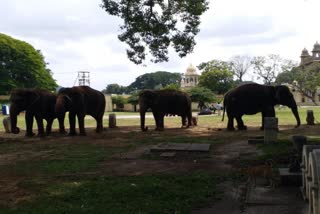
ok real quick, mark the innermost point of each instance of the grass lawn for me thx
(61, 174)
(284, 115)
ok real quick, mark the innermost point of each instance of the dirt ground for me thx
(223, 157)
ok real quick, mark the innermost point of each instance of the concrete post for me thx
(270, 129)
(310, 117)
(7, 124)
(112, 121)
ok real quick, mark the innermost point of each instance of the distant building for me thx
(306, 58)
(190, 78)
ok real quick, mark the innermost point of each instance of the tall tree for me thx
(267, 68)
(216, 75)
(22, 66)
(156, 80)
(152, 26)
(288, 72)
(307, 80)
(304, 78)
(240, 65)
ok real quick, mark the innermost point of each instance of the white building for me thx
(190, 78)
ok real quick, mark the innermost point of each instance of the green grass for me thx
(284, 115)
(135, 194)
(55, 158)
(52, 171)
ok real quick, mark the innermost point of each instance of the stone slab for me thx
(205, 147)
(181, 147)
(279, 200)
(255, 141)
(290, 178)
(272, 196)
(168, 154)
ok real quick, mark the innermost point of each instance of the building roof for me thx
(305, 52)
(191, 71)
(316, 47)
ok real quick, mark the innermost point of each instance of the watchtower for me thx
(84, 78)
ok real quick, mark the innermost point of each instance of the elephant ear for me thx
(282, 94)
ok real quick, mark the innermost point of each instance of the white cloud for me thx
(78, 35)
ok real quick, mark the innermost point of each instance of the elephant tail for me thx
(224, 110)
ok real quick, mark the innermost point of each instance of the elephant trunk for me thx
(13, 119)
(142, 119)
(296, 114)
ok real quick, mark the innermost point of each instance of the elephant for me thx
(162, 103)
(253, 98)
(38, 103)
(81, 101)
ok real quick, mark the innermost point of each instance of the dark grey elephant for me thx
(162, 103)
(81, 101)
(38, 103)
(253, 98)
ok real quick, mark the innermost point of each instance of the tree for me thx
(173, 86)
(304, 78)
(267, 68)
(155, 80)
(240, 65)
(119, 101)
(114, 89)
(216, 76)
(21, 66)
(307, 80)
(152, 26)
(134, 99)
(201, 95)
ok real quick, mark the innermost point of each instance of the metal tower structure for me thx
(84, 78)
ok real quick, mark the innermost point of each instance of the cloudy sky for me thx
(77, 35)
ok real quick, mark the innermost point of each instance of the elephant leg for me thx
(62, 129)
(40, 126)
(99, 125)
(49, 126)
(183, 121)
(156, 119)
(81, 124)
(99, 120)
(29, 124)
(72, 122)
(262, 120)
(230, 126)
(240, 123)
(189, 120)
(159, 121)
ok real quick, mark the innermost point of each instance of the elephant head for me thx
(283, 96)
(20, 100)
(147, 99)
